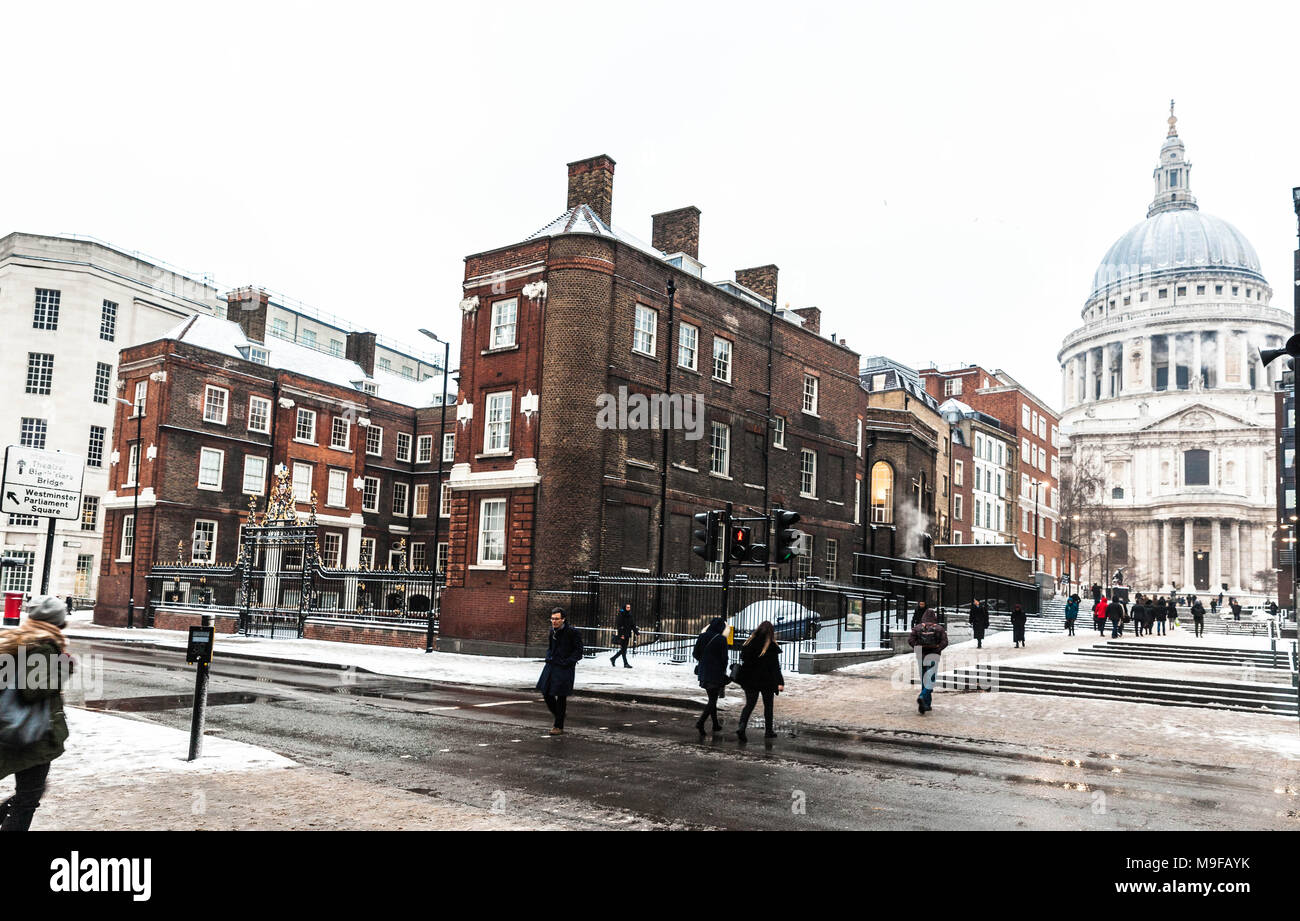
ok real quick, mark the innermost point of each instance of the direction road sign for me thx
(42, 483)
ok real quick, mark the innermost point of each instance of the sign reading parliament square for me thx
(42, 483)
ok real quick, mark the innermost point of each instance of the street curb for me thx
(623, 696)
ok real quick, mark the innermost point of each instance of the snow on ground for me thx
(103, 749)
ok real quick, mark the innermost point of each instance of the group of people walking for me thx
(1149, 614)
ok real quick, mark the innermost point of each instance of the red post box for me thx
(13, 608)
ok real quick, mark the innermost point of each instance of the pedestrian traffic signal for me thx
(706, 536)
(739, 547)
(788, 540)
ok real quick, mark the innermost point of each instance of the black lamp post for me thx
(437, 519)
(1292, 348)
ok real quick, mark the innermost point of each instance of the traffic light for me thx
(739, 544)
(788, 541)
(706, 536)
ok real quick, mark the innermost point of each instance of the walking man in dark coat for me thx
(1198, 616)
(1139, 615)
(562, 657)
(979, 622)
(1018, 619)
(624, 629)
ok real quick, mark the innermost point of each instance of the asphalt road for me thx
(619, 762)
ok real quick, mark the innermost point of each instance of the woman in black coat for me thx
(979, 622)
(1018, 618)
(760, 673)
(562, 657)
(711, 653)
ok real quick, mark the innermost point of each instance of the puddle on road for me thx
(175, 702)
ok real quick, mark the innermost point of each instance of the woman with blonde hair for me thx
(760, 673)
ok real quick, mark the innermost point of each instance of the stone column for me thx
(1105, 372)
(1196, 360)
(1089, 371)
(1216, 555)
(1222, 347)
(1150, 367)
(1245, 361)
(1236, 556)
(1166, 540)
(1189, 570)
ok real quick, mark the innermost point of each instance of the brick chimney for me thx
(361, 349)
(761, 280)
(677, 231)
(812, 318)
(247, 307)
(591, 183)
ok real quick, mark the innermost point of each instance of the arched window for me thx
(882, 493)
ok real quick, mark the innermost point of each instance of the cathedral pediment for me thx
(1198, 418)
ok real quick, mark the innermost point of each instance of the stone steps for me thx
(1201, 655)
(1248, 698)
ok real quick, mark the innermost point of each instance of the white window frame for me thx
(366, 558)
(498, 428)
(449, 447)
(402, 509)
(693, 349)
(645, 330)
(807, 474)
(958, 472)
(418, 499)
(133, 465)
(404, 440)
(810, 394)
(424, 449)
(338, 479)
(498, 338)
(722, 349)
(720, 449)
(444, 501)
(956, 507)
(440, 557)
(367, 492)
(265, 405)
(309, 415)
(208, 391)
(347, 433)
(485, 511)
(126, 544)
(221, 468)
(261, 479)
(140, 406)
(332, 558)
(310, 472)
(194, 545)
(376, 434)
(778, 432)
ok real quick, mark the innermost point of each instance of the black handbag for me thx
(22, 723)
(733, 673)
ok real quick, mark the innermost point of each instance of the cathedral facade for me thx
(1167, 405)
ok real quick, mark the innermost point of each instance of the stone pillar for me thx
(1089, 371)
(1166, 540)
(1236, 556)
(1196, 360)
(1150, 366)
(1189, 570)
(1245, 361)
(1107, 367)
(1216, 555)
(1222, 348)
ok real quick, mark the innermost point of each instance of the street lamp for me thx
(135, 506)
(437, 519)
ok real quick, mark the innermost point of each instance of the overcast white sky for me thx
(940, 178)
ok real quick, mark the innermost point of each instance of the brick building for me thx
(220, 407)
(1035, 428)
(577, 319)
(984, 474)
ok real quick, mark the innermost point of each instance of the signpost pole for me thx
(49, 558)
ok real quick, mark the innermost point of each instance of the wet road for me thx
(619, 763)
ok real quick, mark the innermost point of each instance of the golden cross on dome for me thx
(1173, 120)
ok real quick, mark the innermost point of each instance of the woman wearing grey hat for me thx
(41, 639)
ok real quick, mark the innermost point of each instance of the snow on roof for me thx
(227, 338)
(583, 220)
(952, 404)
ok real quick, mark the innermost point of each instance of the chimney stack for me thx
(247, 307)
(591, 183)
(761, 280)
(677, 231)
(361, 349)
(812, 319)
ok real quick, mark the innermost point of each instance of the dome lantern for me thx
(1173, 174)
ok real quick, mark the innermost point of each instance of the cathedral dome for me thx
(1175, 242)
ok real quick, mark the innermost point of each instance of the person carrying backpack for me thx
(929, 639)
(1071, 612)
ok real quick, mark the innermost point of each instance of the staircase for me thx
(1197, 655)
(1242, 697)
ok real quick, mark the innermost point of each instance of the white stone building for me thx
(1166, 397)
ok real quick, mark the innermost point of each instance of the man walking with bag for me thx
(929, 639)
(562, 656)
